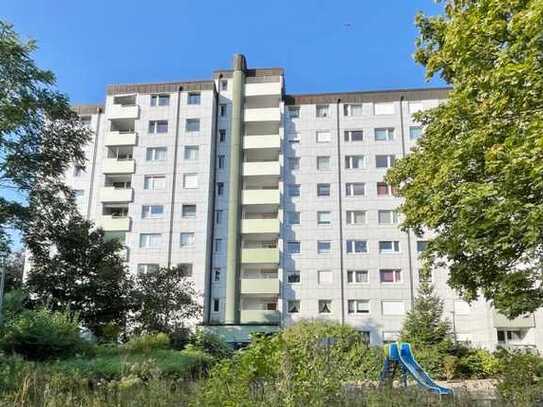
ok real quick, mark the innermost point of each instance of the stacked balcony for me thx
(124, 107)
(115, 218)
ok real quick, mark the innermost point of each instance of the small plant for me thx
(519, 383)
(147, 343)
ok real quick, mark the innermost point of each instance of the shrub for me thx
(208, 342)
(147, 343)
(477, 364)
(43, 334)
(180, 338)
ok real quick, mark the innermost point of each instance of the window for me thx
(323, 163)
(509, 336)
(216, 305)
(218, 216)
(356, 217)
(220, 188)
(324, 246)
(216, 275)
(224, 84)
(186, 239)
(323, 189)
(222, 110)
(160, 100)
(354, 135)
(188, 211)
(293, 276)
(293, 306)
(192, 153)
(152, 211)
(150, 240)
(156, 154)
(154, 182)
(358, 306)
(294, 137)
(222, 135)
(79, 170)
(384, 134)
(192, 125)
(193, 98)
(355, 162)
(293, 218)
(147, 267)
(325, 276)
(415, 132)
(190, 181)
(390, 275)
(357, 246)
(325, 306)
(218, 246)
(158, 126)
(357, 276)
(294, 112)
(383, 189)
(421, 245)
(324, 217)
(389, 246)
(293, 190)
(393, 307)
(293, 247)
(323, 137)
(294, 163)
(322, 110)
(355, 189)
(384, 108)
(384, 161)
(387, 217)
(185, 268)
(220, 162)
(352, 110)
(461, 307)
(415, 107)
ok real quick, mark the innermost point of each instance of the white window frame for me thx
(323, 136)
(184, 242)
(359, 159)
(191, 153)
(394, 247)
(352, 277)
(191, 181)
(389, 132)
(350, 246)
(348, 136)
(147, 211)
(358, 307)
(395, 273)
(350, 188)
(156, 154)
(150, 240)
(351, 216)
(154, 182)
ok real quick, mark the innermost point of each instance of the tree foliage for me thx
(476, 176)
(14, 271)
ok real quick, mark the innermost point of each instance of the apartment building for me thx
(274, 204)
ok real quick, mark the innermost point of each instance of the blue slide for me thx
(404, 357)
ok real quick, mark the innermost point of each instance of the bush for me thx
(477, 364)
(147, 343)
(43, 334)
(212, 344)
(518, 382)
(180, 338)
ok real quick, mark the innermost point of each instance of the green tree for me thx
(75, 268)
(476, 176)
(14, 271)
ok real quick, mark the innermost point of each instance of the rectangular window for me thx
(190, 181)
(324, 217)
(154, 182)
(152, 211)
(191, 153)
(216, 305)
(193, 98)
(387, 217)
(415, 132)
(356, 217)
(390, 275)
(352, 110)
(353, 136)
(358, 306)
(156, 154)
(220, 161)
(293, 247)
(421, 245)
(189, 211)
(393, 307)
(357, 246)
(294, 112)
(222, 135)
(224, 84)
(325, 306)
(323, 163)
(218, 216)
(294, 163)
(384, 161)
(185, 269)
(147, 267)
(293, 137)
(355, 162)
(293, 190)
(325, 276)
(160, 100)
(293, 306)
(220, 188)
(323, 137)
(389, 246)
(384, 108)
(150, 240)
(293, 276)
(218, 246)
(384, 134)
(158, 126)
(192, 125)
(222, 110)
(323, 189)
(186, 239)
(357, 276)
(79, 170)
(383, 189)
(324, 246)
(216, 275)
(293, 218)
(322, 111)
(355, 189)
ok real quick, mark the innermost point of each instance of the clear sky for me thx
(324, 45)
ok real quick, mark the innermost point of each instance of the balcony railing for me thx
(259, 168)
(254, 226)
(112, 194)
(115, 166)
(260, 285)
(260, 316)
(260, 256)
(121, 138)
(118, 111)
(112, 223)
(260, 197)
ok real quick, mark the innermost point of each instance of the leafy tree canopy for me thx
(476, 176)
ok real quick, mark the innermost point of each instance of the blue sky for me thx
(323, 45)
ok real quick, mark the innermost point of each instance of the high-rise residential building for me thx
(275, 204)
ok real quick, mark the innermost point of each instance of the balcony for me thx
(262, 89)
(120, 138)
(265, 141)
(260, 256)
(258, 168)
(114, 166)
(254, 226)
(259, 286)
(112, 194)
(501, 321)
(268, 114)
(118, 111)
(252, 316)
(112, 223)
(260, 197)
